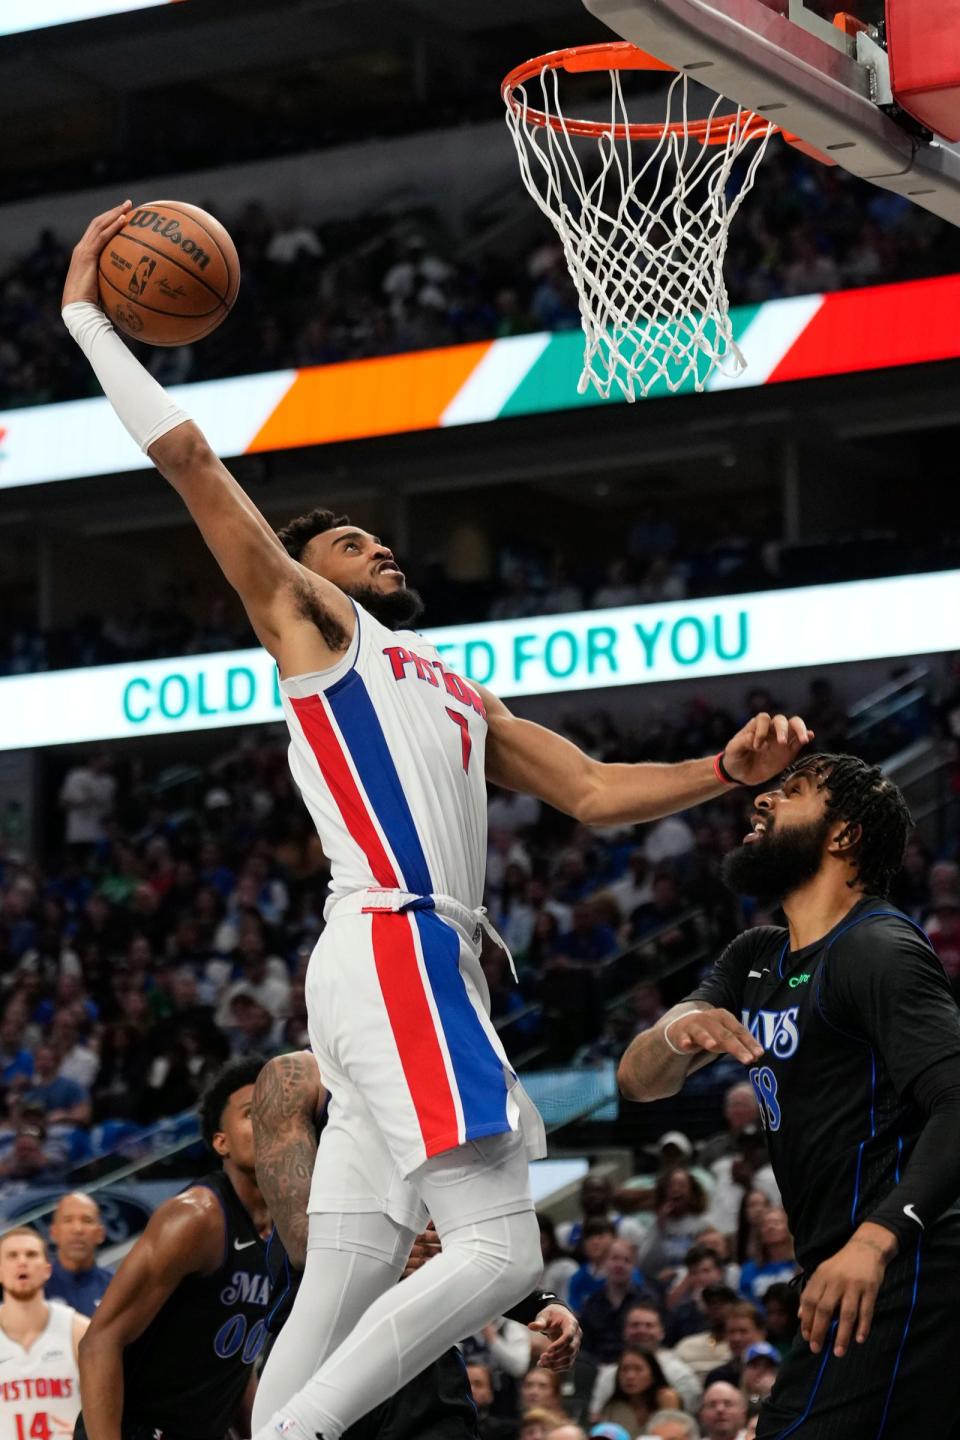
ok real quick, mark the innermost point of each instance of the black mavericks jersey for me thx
(847, 1025)
(187, 1372)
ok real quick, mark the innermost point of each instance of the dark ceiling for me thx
(186, 85)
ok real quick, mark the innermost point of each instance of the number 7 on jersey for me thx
(466, 743)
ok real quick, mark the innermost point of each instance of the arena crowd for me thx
(316, 294)
(172, 923)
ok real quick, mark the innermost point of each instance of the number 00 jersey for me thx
(40, 1387)
(847, 1025)
(387, 748)
(186, 1374)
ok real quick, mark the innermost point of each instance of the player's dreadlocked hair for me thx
(297, 534)
(862, 795)
(226, 1082)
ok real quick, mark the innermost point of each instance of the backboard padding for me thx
(757, 57)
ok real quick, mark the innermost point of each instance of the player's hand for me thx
(562, 1328)
(766, 745)
(426, 1245)
(81, 281)
(847, 1283)
(716, 1031)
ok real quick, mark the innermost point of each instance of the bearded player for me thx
(854, 1041)
(392, 752)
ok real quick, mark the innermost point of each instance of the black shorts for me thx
(137, 1430)
(903, 1383)
(434, 1405)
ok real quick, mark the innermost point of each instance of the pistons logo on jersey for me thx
(404, 663)
(33, 1419)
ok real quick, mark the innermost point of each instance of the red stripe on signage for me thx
(414, 1031)
(328, 752)
(875, 328)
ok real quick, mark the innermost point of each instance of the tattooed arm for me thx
(287, 1100)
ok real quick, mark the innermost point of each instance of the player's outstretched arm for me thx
(529, 758)
(287, 1099)
(268, 581)
(183, 1237)
(656, 1063)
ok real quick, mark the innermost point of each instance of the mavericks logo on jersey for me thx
(239, 1335)
(247, 1289)
(776, 1030)
(778, 1034)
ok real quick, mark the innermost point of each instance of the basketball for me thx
(171, 275)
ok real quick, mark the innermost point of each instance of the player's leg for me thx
(351, 1260)
(479, 1198)
(403, 1026)
(363, 1220)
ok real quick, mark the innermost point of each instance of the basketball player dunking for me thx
(289, 1110)
(39, 1378)
(392, 752)
(170, 1352)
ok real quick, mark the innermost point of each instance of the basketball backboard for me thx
(827, 84)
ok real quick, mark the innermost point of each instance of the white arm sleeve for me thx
(143, 406)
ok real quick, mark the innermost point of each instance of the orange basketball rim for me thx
(620, 55)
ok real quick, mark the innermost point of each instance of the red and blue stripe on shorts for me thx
(455, 1078)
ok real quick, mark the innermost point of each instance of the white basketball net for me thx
(644, 243)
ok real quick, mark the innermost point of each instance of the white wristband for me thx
(665, 1032)
(143, 406)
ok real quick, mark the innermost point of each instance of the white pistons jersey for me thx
(40, 1387)
(387, 748)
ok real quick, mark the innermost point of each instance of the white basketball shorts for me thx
(399, 1022)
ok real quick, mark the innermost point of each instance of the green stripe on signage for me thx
(551, 382)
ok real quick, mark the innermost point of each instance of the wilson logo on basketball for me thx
(170, 230)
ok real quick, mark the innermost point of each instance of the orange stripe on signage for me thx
(368, 397)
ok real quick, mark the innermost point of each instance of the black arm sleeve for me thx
(529, 1309)
(931, 1181)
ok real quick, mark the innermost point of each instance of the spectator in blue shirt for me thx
(77, 1231)
(65, 1101)
(603, 1314)
(589, 940)
(16, 1062)
(777, 1265)
(597, 1235)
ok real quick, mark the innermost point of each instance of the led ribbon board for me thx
(592, 649)
(19, 15)
(795, 339)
